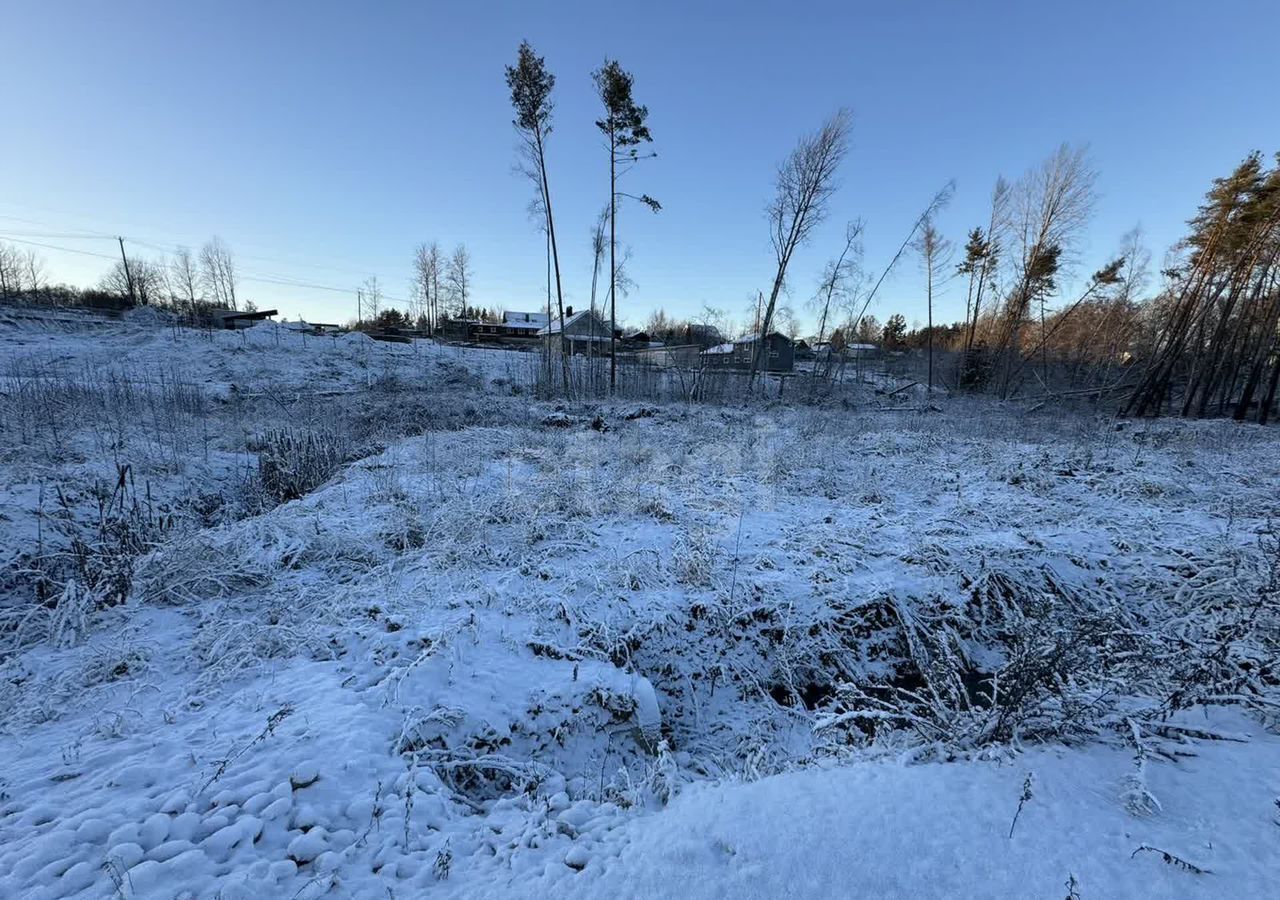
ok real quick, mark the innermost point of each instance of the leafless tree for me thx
(837, 277)
(599, 243)
(786, 321)
(982, 258)
(1095, 336)
(218, 272)
(805, 183)
(1050, 206)
(427, 265)
(33, 270)
(457, 277)
(184, 279)
(371, 292)
(10, 271)
(935, 258)
(148, 280)
(940, 200)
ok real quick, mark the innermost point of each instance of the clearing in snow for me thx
(318, 617)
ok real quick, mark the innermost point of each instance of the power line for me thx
(87, 234)
(249, 277)
(73, 235)
(55, 247)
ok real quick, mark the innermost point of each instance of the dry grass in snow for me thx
(463, 643)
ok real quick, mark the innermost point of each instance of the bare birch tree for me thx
(599, 243)
(836, 277)
(33, 271)
(1050, 206)
(218, 272)
(426, 268)
(935, 258)
(184, 279)
(457, 277)
(10, 269)
(371, 291)
(805, 183)
(836, 287)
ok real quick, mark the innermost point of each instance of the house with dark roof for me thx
(524, 320)
(584, 332)
(516, 328)
(778, 349)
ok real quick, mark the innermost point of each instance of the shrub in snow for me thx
(293, 462)
(87, 561)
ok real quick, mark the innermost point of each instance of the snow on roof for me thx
(511, 317)
(720, 348)
(558, 325)
(752, 338)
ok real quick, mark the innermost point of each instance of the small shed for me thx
(232, 319)
(669, 355)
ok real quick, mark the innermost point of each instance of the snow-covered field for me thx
(343, 619)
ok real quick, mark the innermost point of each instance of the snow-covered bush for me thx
(293, 462)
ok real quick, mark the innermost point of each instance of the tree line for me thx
(187, 282)
(1205, 341)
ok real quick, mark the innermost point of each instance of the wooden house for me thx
(585, 333)
(779, 353)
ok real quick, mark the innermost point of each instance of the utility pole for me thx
(128, 277)
(359, 311)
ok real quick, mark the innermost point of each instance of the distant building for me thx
(584, 332)
(516, 328)
(848, 351)
(459, 329)
(233, 319)
(680, 356)
(535, 320)
(779, 353)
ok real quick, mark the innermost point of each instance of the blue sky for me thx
(323, 141)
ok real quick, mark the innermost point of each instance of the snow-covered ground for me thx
(498, 647)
